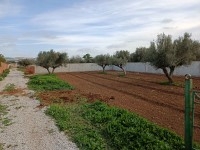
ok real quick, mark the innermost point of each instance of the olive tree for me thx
(120, 59)
(162, 49)
(88, 58)
(185, 51)
(103, 60)
(76, 59)
(26, 62)
(167, 54)
(139, 55)
(51, 59)
(2, 58)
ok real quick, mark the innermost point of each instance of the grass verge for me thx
(83, 133)
(48, 83)
(4, 74)
(99, 126)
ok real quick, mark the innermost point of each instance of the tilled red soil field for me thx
(140, 93)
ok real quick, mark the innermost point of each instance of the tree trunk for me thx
(124, 71)
(172, 68)
(48, 70)
(103, 68)
(53, 70)
(167, 75)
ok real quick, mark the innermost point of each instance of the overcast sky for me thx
(91, 26)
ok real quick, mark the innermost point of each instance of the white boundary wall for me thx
(193, 69)
(79, 67)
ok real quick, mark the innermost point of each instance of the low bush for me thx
(48, 83)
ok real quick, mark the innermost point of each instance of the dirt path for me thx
(30, 128)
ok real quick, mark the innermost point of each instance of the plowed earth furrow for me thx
(136, 94)
(152, 102)
(133, 82)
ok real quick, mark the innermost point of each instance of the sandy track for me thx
(30, 128)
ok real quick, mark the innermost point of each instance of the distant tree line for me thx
(163, 53)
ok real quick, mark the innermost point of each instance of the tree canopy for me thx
(167, 54)
(26, 62)
(120, 59)
(2, 58)
(139, 55)
(76, 59)
(51, 59)
(88, 58)
(103, 60)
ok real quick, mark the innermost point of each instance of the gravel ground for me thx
(30, 128)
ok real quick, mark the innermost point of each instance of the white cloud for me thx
(102, 16)
(95, 26)
(8, 8)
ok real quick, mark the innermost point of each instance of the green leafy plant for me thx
(68, 119)
(48, 83)
(99, 126)
(126, 130)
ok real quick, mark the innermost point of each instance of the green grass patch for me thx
(9, 87)
(4, 74)
(99, 126)
(69, 119)
(4, 120)
(2, 110)
(48, 83)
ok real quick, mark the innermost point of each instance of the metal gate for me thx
(192, 100)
